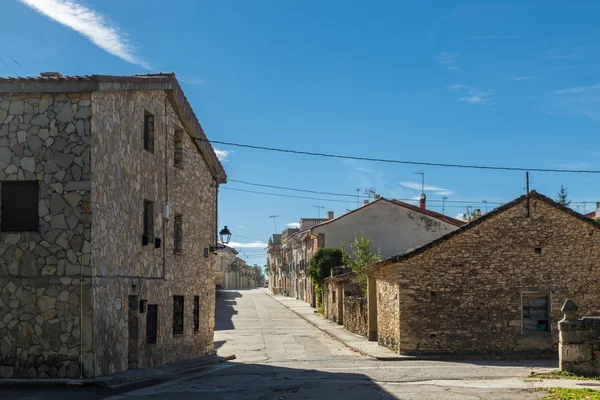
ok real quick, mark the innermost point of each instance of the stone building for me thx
(496, 284)
(226, 273)
(108, 215)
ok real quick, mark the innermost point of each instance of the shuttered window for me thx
(177, 315)
(149, 132)
(196, 313)
(151, 323)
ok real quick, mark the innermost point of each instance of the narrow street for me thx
(280, 356)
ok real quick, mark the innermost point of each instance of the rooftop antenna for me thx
(319, 209)
(357, 197)
(369, 192)
(274, 221)
(444, 204)
(422, 180)
(486, 203)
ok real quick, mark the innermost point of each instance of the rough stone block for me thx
(575, 352)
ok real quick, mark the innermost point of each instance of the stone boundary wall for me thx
(356, 315)
(579, 345)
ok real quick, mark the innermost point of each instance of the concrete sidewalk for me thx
(121, 378)
(355, 342)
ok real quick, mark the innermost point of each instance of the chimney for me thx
(422, 201)
(50, 75)
(598, 209)
(377, 196)
(329, 214)
(365, 202)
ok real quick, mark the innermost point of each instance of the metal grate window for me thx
(20, 206)
(196, 313)
(178, 153)
(149, 132)
(177, 315)
(151, 323)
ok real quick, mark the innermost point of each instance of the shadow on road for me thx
(224, 310)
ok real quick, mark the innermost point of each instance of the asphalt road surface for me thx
(280, 356)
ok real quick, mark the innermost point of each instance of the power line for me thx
(384, 160)
(294, 189)
(15, 61)
(8, 66)
(245, 237)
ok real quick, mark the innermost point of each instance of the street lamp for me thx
(225, 236)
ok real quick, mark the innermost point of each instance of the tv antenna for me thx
(274, 221)
(318, 209)
(422, 173)
(370, 192)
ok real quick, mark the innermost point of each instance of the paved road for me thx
(282, 357)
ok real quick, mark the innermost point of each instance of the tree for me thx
(361, 257)
(319, 267)
(563, 196)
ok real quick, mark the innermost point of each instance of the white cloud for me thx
(578, 89)
(250, 245)
(241, 227)
(460, 217)
(90, 24)
(474, 95)
(293, 225)
(222, 155)
(430, 188)
(448, 60)
(190, 79)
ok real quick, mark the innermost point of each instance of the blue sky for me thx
(479, 82)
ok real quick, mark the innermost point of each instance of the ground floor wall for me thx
(122, 335)
(356, 315)
(43, 331)
(388, 318)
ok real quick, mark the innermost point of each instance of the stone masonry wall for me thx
(126, 175)
(356, 314)
(466, 293)
(388, 327)
(579, 346)
(46, 137)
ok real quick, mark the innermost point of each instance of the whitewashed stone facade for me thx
(70, 293)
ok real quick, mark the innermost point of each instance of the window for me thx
(535, 313)
(178, 234)
(177, 315)
(148, 235)
(151, 323)
(149, 132)
(20, 206)
(196, 313)
(333, 295)
(178, 148)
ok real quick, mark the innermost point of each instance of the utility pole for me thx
(357, 198)
(319, 209)
(274, 221)
(444, 205)
(485, 202)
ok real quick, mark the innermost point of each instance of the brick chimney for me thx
(377, 197)
(365, 202)
(422, 201)
(329, 214)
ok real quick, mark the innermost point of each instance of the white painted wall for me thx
(394, 229)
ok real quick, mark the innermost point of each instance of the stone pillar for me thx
(340, 303)
(574, 352)
(372, 307)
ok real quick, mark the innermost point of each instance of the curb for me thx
(433, 357)
(115, 381)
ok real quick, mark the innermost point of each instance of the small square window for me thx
(149, 132)
(177, 315)
(20, 206)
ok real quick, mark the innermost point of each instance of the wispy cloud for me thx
(293, 225)
(495, 37)
(241, 227)
(361, 169)
(191, 80)
(578, 89)
(250, 245)
(90, 24)
(222, 155)
(474, 95)
(431, 188)
(448, 60)
(522, 78)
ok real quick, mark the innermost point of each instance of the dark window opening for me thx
(149, 132)
(178, 154)
(333, 296)
(535, 313)
(538, 250)
(20, 206)
(151, 323)
(177, 315)
(148, 235)
(196, 313)
(178, 234)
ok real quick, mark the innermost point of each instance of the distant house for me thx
(393, 226)
(494, 285)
